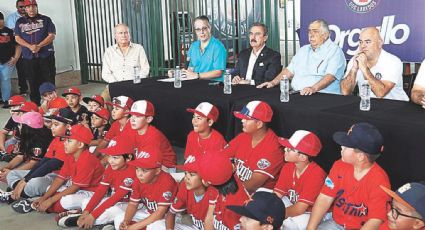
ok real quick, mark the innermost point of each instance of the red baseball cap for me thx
(147, 159)
(122, 102)
(258, 110)
(30, 2)
(95, 98)
(72, 90)
(102, 113)
(79, 132)
(304, 141)
(58, 103)
(27, 106)
(142, 108)
(119, 145)
(16, 100)
(207, 110)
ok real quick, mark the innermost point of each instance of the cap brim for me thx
(101, 116)
(117, 105)
(139, 164)
(114, 151)
(341, 138)
(64, 94)
(242, 116)
(285, 142)
(241, 210)
(88, 99)
(137, 114)
(61, 119)
(189, 167)
(10, 105)
(396, 197)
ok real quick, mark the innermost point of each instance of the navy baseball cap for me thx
(64, 115)
(411, 195)
(264, 207)
(46, 87)
(362, 136)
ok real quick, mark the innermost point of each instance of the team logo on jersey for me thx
(293, 196)
(329, 183)
(263, 164)
(142, 154)
(378, 76)
(190, 159)
(219, 224)
(243, 172)
(128, 181)
(167, 195)
(362, 6)
(36, 151)
(349, 208)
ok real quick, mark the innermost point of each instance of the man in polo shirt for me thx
(317, 67)
(207, 56)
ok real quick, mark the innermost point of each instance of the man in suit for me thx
(259, 63)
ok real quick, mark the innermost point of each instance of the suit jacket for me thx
(266, 68)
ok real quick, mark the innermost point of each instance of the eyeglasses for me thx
(21, 7)
(290, 149)
(203, 29)
(396, 213)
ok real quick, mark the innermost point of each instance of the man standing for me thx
(317, 67)
(10, 23)
(122, 59)
(259, 63)
(35, 33)
(382, 70)
(9, 54)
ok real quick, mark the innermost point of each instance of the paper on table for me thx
(171, 79)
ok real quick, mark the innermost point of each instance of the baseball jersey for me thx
(120, 182)
(57, 149)
(116, 130)
(185, 201)
(159, 193)
(224, 218)
(356, 201)
(85, 172)
(12, 126)
(7, 45)
(196, 146)
(155, 138)
(304, 189)
(265, 158)
(100, 134)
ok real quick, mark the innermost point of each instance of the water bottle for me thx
(177, 77)
(365, 96)
(136, 74)
(227, 82)
(284, 89)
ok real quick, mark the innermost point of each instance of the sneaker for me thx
(8, 157)
(22, 206)
(68, 218)
(5, 197)
(5, 105)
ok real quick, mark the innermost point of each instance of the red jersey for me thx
(120, 182)
(155, 138)
(86, 171)
(304, 189)
(225, 218)
(196, 146)
(116, 130)
(266, 157)
(161, 192)
(356, 201)
(185, 200)
(57, 149)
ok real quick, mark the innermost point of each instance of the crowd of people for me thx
(102, 164)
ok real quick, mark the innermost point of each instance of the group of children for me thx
(65, 158)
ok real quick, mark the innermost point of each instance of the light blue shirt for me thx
(310, 66)
(213, 58)
(11, 20)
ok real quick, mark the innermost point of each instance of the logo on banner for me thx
(362, 6)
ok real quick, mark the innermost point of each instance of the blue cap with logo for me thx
(411, 195)
(46, 87)
(362, 136)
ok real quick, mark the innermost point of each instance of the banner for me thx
(400, 23)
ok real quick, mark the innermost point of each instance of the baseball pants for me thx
(141, 214)
(109, 214)
(74, 201)
(34, 187)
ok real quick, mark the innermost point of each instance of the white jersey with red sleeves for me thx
(305, 188)
(116, 130)
(196, 146)
(356, 201)
(86, 171)
(266, 157)
(185, 201)
(152, 195)
(155, 138)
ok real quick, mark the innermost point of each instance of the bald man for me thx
(381, 69)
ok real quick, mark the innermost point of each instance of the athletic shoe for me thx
(5, 197)
(22, 206)
(68, 218)
(7, 157)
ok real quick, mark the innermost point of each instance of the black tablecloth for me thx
(401, 123)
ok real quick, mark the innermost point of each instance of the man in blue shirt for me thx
(207, 56)
(317, 67)
(35, 33)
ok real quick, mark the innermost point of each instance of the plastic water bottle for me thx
(177, 77)
(136, 73)
(365, 96)
(227, 82)
(284, 89)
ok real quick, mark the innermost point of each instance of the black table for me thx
(401, 123)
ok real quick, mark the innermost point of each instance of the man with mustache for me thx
(259, 63)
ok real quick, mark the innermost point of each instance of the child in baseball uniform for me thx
(257, 154)
(148, 136)
(103, 206)
(203, 137)
(72, 96)
(301, 179)
(94, 102)
(78, 177)
(99, 126)
(353, 183)
(154, 188)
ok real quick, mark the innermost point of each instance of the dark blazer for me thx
(266, 68)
